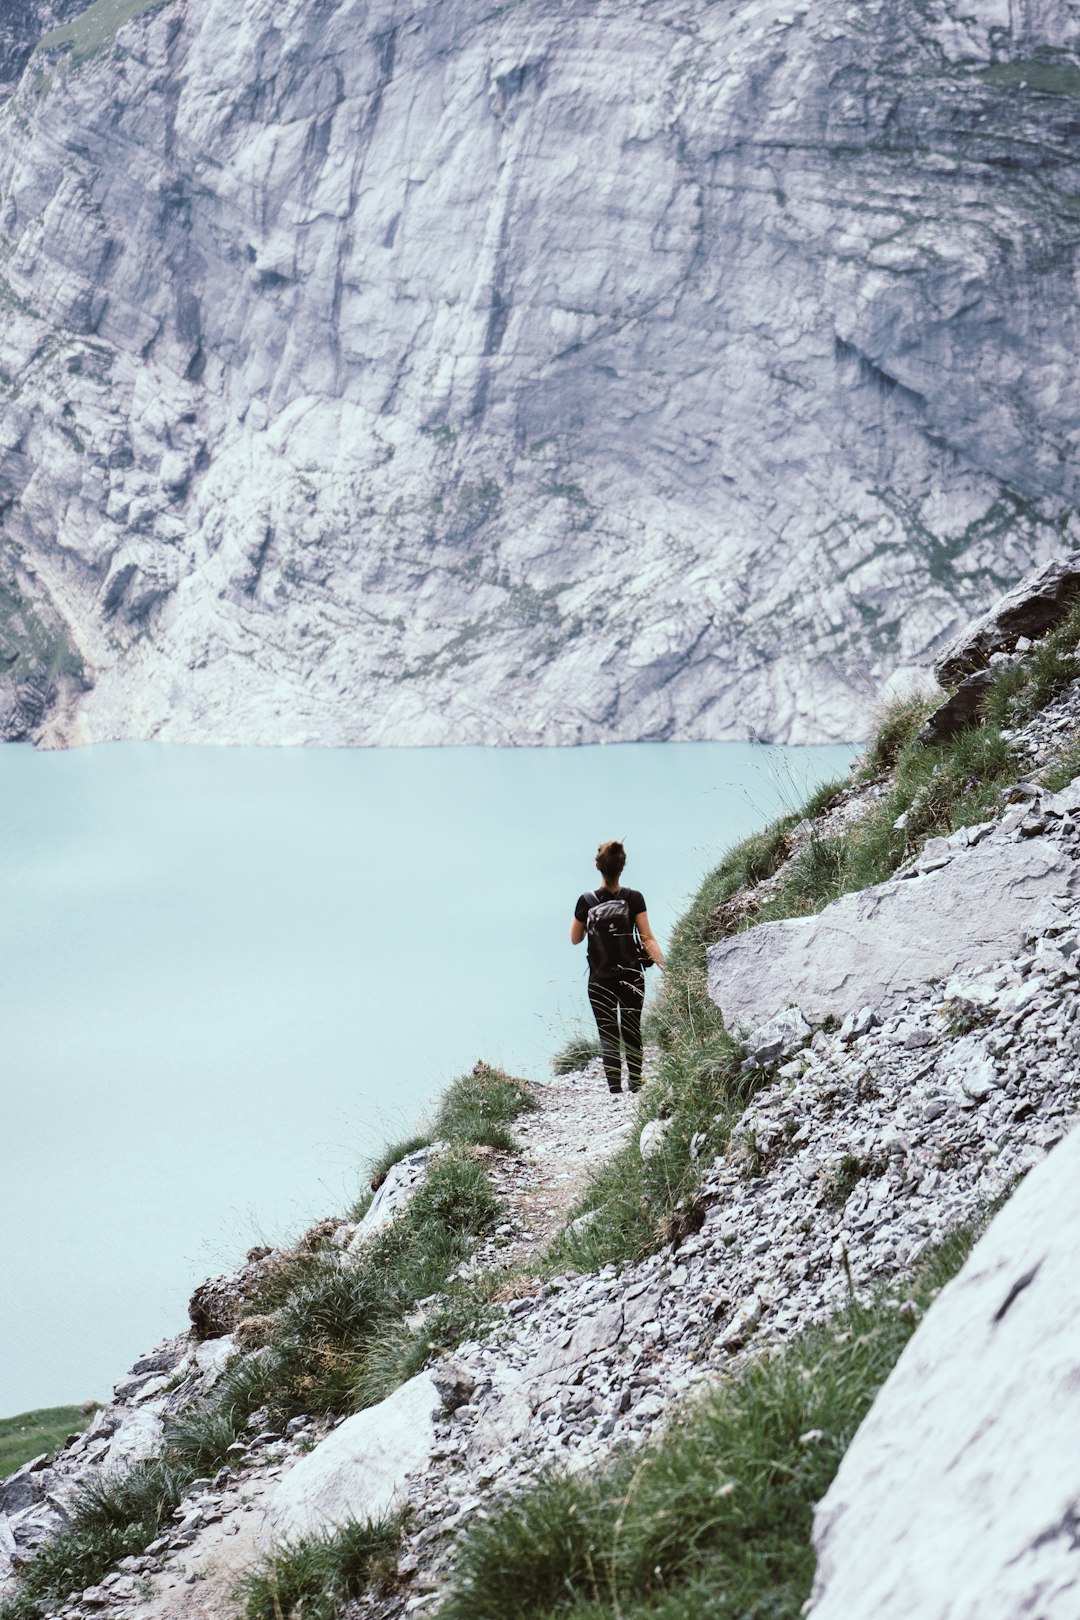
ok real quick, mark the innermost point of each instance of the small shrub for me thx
(316, 1576)
(579, 1051)
(894, 732)
(960, 1017)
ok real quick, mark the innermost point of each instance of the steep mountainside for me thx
(389, 372)
(591, 1355)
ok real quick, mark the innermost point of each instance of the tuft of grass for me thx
(329, 1346)
(32, 1434)
(108, 1520)
(895, 730)
(580, 1049)
(1021, 691)
(316, 1576)
(477, 1108)
(402, 1348)
(843, 1175)
(1062, 769)
(712, 1521)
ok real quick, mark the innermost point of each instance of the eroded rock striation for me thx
(553, 373)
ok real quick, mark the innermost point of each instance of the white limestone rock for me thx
(138, 1436)
(958, 1497)
(358, 1471)
(779, 1038)
(403, 1180)
(651, 1139)
(528, 374)
(886, 943)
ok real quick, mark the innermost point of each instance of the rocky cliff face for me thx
(551, 373)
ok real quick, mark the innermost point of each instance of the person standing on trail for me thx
(621, 944)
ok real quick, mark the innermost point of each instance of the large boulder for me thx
(959, 1497)
(359, 1470)
(880, 946)
(1041, 600)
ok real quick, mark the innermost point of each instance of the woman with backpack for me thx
(621, 945)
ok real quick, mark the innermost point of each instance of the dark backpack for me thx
(610, 929)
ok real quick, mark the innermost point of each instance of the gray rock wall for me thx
(546, 374)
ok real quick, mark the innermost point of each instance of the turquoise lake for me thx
(229, 975)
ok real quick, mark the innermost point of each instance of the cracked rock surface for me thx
(555, 373)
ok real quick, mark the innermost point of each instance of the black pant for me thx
(618, 1001)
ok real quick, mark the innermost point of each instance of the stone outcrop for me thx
(1032, 607)
(359, 1470)
(402, 1180)
(968, 899)
(217, 1304)
(959, 1497)
(548, 373)
(960, 709)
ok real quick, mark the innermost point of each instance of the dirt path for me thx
(577, 1125)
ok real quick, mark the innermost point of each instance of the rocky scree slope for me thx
(551, 374)
(865, 1140)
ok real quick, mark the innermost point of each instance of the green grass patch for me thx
(32, 1434)
(1063, 769)
(1021, 691)
(935, 790)
(315, 1577)
(896, 728)
(108, 1521)
(1049, 77)
(327, 1347)
(713, 1520)
(96, 27)
(579, 1050)
(477, 1109)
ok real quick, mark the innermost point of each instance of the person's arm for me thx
(577, 932)
(649, 942)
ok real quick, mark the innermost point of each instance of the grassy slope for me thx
(711, 1521)
(334, 1339)
(32, 1433)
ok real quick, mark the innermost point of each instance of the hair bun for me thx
(611, 858)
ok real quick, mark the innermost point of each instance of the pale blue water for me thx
(227, 975)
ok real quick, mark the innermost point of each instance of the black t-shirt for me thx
(634, 898)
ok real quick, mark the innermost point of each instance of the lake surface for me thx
(229, 975)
